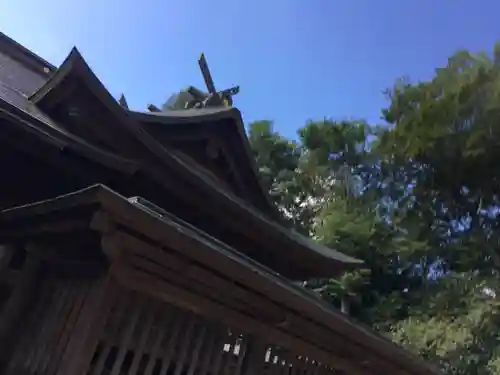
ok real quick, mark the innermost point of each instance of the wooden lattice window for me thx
(144, 336)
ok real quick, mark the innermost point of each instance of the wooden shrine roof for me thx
(347, 344)
(222, 125)
(117, 138)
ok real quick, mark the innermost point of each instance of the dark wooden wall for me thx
(43, 336)
(130, 294)
(49, 295)
(67, 330)
(146, 336)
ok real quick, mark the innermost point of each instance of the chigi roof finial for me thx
(214, 97)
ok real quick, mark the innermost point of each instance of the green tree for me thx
(443, 146)
(455, 324)
(448, 129)
(278, 161)
(417, 200)
(328, 184)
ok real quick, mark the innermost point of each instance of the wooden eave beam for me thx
(44, 229)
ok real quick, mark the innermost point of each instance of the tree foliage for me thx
(417, 199)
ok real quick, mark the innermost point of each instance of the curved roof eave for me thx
(75, 64)
(46, 129)
(214, 114)
(176, 117)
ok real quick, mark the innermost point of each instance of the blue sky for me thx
(294, 59)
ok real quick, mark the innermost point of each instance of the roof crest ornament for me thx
(193, 97)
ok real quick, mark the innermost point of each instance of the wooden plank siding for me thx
(117, 322)
(164, 274)
(44, 335)
(145, 336)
